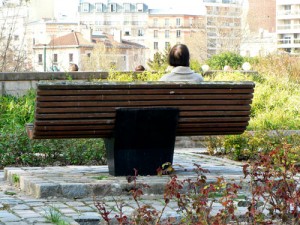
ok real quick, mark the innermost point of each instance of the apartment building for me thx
(167, 27)
(288, 26)
(224, 31)
(261, 16)
(107, 16)
(258, 28)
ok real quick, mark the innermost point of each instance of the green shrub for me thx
(130, 77)
(17, 149)
(217, 62)
(276, 102)
(249, 144)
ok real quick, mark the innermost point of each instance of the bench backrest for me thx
(88, 109)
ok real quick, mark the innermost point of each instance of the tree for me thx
(13, 42)
(102, 58)
(160, 61)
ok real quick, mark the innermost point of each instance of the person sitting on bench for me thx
(179, 58)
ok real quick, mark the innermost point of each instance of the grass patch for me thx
(101, 177)
(53, 215)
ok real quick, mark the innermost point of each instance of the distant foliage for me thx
(160, 61)
(217, 62)
(195, 65)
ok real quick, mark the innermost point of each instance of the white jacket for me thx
(182, 73)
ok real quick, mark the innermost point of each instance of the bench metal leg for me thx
(144, 139)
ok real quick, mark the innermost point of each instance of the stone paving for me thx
(28, 195)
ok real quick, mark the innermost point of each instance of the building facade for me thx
(105, 16)
(288, 26)
(224, 25)
(169, 27)
(258, 28)
(61, 51)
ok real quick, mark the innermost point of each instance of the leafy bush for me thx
(276, 102)
(249, 144)
(17, 149)
(217, 62)
(129, 77)
(278, 66)
(274, 196)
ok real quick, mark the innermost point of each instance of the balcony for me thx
(288, 43)
(288, 28)
(288, 14)
(288, 2)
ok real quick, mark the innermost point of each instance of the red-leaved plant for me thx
(274, 185)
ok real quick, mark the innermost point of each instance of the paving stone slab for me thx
(77, 182)
(71, 189)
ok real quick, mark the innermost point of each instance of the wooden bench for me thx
(98, 110)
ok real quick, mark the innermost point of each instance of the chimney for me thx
(87, 33)
(118, 36)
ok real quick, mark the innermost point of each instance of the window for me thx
(54, 58)
(155, 22)
(167, 33)
(177, 21)
(167, 45)
(88, 55)
(40, 59)
(155, 45)
(127, 7)
(16, 37)
(98, 7)
(113, 7)
(127, 33)
(287, 40)
(155, 33)
(178, 33)
(85, 7)
(287, 7)
(71, 57)
(140, 32)
(167, 22)
(140, 7)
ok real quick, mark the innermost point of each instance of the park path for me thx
(71, 189)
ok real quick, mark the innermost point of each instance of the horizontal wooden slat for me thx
(195, 126)
(111, 121)
(143, 91)
(71, 85)
(113, 109)
(110, 135)
(104, 132)
(161, 103)
(140, 97)
(112, 115)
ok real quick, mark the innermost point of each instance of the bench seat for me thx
(88, 109)
(139, 121)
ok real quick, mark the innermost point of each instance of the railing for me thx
(288, 27)
(288, 41)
